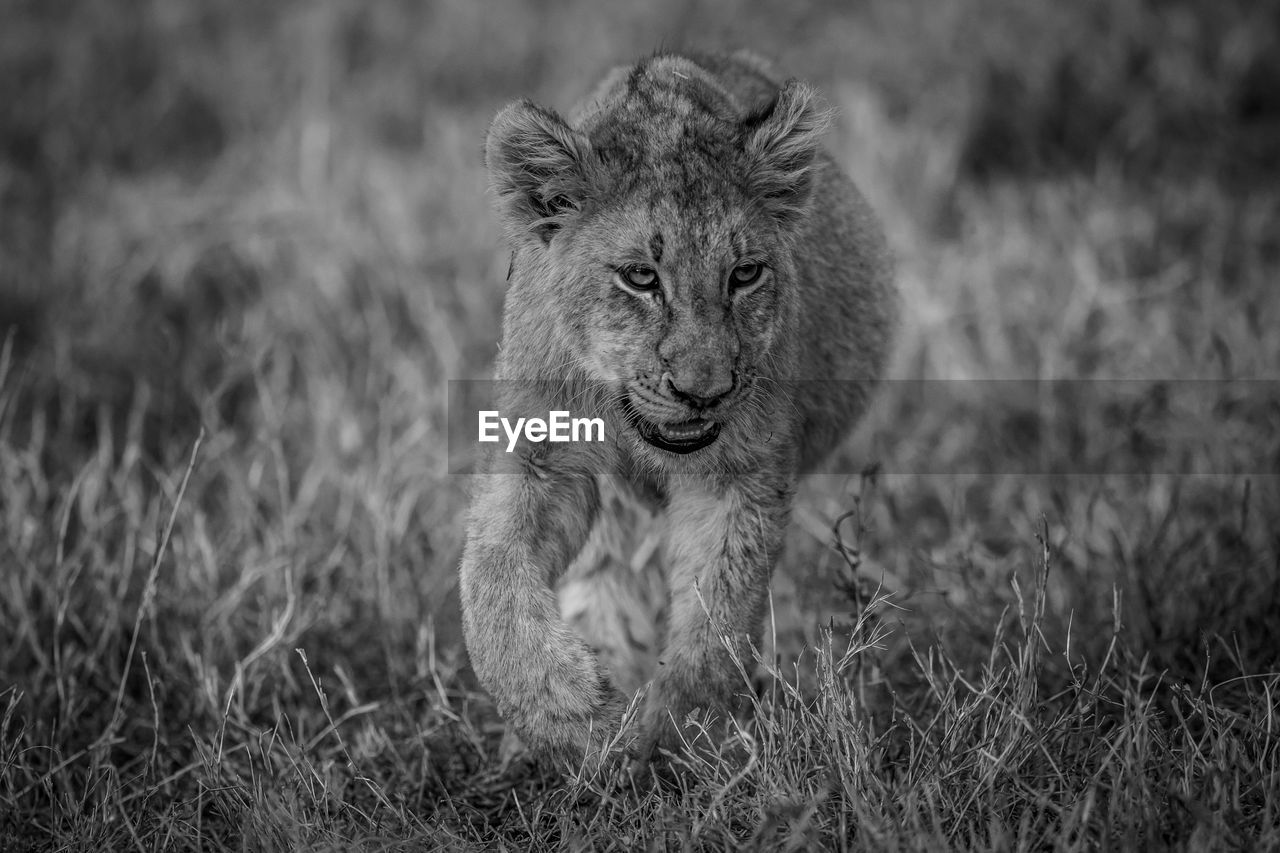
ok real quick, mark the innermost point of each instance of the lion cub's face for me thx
(664, 228)
(683, 310)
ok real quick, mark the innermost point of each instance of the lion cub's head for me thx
(659, 233)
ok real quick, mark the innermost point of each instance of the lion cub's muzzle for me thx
(671, 420)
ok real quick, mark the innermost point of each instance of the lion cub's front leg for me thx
(724, 540)
(525, 527)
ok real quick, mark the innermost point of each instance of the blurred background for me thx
(269, 221)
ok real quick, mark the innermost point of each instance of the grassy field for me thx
(245, 246)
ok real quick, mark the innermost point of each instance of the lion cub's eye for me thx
(745, 275)
(640, 277)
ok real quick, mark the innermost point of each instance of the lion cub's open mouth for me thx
(682, 437)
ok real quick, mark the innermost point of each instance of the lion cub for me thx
(690, 267)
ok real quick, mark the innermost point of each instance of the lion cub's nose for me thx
(701, 389)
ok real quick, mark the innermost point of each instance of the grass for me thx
(243, 248)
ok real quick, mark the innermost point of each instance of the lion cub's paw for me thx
(577, 744)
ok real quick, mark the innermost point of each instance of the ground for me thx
(245, 247)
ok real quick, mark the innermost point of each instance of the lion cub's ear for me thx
(781, 143)
(536, 167)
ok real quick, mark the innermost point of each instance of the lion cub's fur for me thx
(705, 172)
